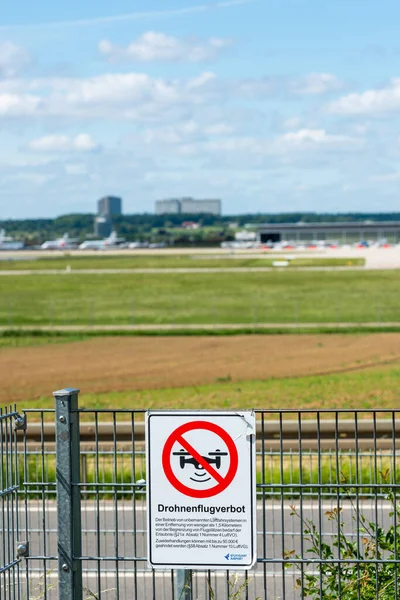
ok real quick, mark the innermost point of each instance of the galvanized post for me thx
(68, 495)
(184, 584)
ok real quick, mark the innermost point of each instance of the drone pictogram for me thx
(190, 461)
(213, 458)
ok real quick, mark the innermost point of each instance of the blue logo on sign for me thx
(232, 557)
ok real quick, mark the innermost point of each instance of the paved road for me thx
(282, 534)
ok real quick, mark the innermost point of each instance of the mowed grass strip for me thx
(13, 339)
(368, 389)
(185, 261)
(224, 298)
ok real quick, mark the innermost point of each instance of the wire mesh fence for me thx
(327, 510)
(9, 515)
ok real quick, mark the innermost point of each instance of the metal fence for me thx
(10, 547)
(327, 509)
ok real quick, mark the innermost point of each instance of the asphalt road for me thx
(129, 579)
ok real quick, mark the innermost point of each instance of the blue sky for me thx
(272, 106)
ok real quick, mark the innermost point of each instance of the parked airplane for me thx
(138, 245)
(7, 243)
(64, 243)
(111, 242)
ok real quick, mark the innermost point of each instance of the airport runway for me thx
(376, 258)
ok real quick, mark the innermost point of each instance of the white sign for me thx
(201, 490)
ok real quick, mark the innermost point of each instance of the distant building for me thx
(246, 236)
(194, 207)
(188, 206)
(109, 206)
(168, 207)
(102, 227)
(347, 232)
(190, 225)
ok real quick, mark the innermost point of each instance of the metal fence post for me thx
(184, 584)
(68, 495)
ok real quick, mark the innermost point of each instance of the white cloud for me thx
(19, 105)
(135, 96)
(77, 169)
(258, 87)
(154, 46)
(63, 143)
(302, 142)
(313, 136)
(386, 177)
(202, 81)
(316, 84)
(186, 131)
(219, 129)
(312, 84)
(372, 102)
(13, 59)
(292, 123)
(304, 146)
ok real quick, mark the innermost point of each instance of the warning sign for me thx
(196, 475)
(201, 489)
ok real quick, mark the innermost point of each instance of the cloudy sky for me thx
(270, 105)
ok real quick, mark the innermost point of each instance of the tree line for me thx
(146, 227)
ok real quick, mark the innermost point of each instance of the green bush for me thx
(370, 566)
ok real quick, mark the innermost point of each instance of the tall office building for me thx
(168, 207)
(188, 206)
(102, 227)
(109, 206)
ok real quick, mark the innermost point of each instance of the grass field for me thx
(311, 471)
(367, 389)
(12, 339)
(162, 261)
(226, 298)
(356, 372)
(313, 371)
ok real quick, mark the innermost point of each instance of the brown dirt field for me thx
(128, 363)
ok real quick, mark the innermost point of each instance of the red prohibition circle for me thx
(175, 437)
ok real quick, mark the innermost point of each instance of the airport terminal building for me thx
(188, 206)
(340, 232)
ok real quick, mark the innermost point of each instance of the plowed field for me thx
(140, 363)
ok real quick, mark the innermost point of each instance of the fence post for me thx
(184, 584)
(68, 495)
